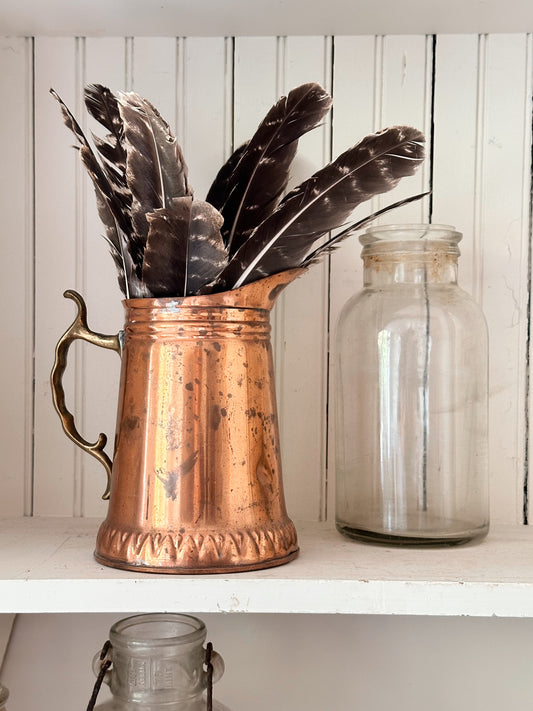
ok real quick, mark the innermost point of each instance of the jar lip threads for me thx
(157, 629)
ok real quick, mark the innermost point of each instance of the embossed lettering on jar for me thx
(411, 395)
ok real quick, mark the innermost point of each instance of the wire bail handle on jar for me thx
(103, 661)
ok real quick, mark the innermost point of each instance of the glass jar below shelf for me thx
(157, 662)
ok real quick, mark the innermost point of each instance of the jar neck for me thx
(404, 265)
(410, 254)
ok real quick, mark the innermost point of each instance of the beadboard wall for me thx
(470, 94)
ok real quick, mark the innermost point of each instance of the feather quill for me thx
(260, 175)
(322, 203)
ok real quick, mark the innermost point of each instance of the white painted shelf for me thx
(47, 566)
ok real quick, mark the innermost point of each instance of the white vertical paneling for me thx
(481, 104)
(482, 153)
(353, 118)
(457, 131)
(405, 98)
(255, 83)
(16, 205)
(205, 108)
(57, 176)
(504, 233)
(302, 316)
(104, 64)
(154, 73)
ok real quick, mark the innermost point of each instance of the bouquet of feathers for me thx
(166, 243)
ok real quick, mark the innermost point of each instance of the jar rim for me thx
(410, 232)
(135, 630)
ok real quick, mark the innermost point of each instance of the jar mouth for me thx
(157, 629)
(415, 232)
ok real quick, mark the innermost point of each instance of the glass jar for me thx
(411, 395)
(158, 663)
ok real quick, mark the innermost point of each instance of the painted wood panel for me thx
(57, 211)
(474, 96)
(205, 110)
(16, 205)
(504, 243)
(458, 114)
(301, 334)
(404, 87)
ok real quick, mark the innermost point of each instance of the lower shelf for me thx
(46, 565)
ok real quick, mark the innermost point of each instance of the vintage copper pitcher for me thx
(195, 484)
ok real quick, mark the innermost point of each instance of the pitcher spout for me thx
(261, 294)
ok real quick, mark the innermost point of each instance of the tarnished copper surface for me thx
(196, 483)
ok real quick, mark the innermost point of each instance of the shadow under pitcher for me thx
(195, 485)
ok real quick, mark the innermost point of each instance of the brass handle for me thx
(79, 329)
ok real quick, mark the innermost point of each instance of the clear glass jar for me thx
(411, 395)
(158, 664)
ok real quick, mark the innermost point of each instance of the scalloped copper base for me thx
(198, 552)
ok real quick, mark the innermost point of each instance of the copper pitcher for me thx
(195, 484)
